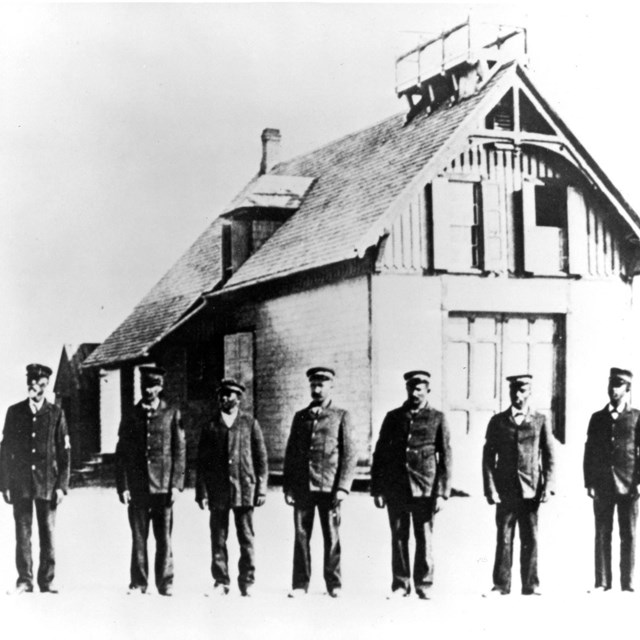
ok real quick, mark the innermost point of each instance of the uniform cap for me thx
(35, 370)
(322, 373)
(152, 373)
(520, 380)
(621, 375)
(230, 384)
(417, 375)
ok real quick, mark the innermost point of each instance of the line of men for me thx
(410, 476)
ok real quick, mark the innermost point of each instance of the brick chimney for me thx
(270, 149)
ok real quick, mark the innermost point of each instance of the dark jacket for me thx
(612, 452)
(518, 461)
(35, 452)
(232, 462)
(321, 452)
(412, 457)
(151, 452)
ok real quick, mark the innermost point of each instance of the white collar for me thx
(612, 409)
(153, 406)
(517, 412)
(229, 418)
(35, 406)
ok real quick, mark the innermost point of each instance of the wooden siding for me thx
(406, 250)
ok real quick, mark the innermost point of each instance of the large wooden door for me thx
(480, 351)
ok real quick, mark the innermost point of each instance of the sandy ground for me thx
(93, 557)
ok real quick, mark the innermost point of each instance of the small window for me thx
(227, 265)
(551, 206)
(466, 236)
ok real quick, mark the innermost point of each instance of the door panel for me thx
(481, 350)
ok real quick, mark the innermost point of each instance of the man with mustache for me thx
(150, 468)
(34, 471)
(411, 476)
(518, 467)
(319, 465)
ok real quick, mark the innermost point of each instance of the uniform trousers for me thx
(156, 510)
(421, 511)
(219, 526)
(604, 505)
(46, 517)
(524, 513)
(303, 516)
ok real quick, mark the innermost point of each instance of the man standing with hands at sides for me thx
(150, 468)
(612, 476)
(410, 475)
(34, 470)
(231, 476)
(319, 465)
(518, 473)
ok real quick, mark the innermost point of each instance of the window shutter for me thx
(529, 226)
(577, 229)
(452, 202)
(492, 226)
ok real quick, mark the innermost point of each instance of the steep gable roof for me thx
(198, 270)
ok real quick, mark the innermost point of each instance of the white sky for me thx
(125, 129)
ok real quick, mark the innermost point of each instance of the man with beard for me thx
(518, 469)
(231, 476)
(410, 475)
(319, 465)
(150, 467)
(612, 476)
(34, 470)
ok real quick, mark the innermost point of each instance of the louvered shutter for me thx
(577, 230)
(492, 215)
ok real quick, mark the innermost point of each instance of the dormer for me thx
(267, 202)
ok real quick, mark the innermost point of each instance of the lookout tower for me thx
(457, 63)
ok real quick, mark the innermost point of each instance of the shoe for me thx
(220, 589)
(336, 592)
(137, 591)
(599, 590)
(532, 592)
(496, 591)
(628, 590)
(297, 593)
(167, 592)
(19, 589)
(245, 590)
(423, 594)
(396, 594)
(50, 589)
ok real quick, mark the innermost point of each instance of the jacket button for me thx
(33, 467)
(34, 418)
(33, 435)
(33, 450)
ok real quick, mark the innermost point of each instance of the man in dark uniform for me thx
(231, 476)
(518, 473)
(34, 469)
(410, 475)
(319, 465)
(150, 467)
(612, 476)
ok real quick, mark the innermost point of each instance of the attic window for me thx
(551, 206)
(500, 118)
(261, 231)
(227, 265)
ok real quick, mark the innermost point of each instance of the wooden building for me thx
(472, 235)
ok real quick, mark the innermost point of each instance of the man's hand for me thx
(260, 500)
(380, 502)
(172, 496)
(493, 499)
(125, 497)
(591, 492)
(58, 496)
(546, 496)
(338, 497)
(288, 498)
(6, 494)
(203, 503)
(439, 505)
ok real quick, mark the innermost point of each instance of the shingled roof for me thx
(197, 271)
(351, 190)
